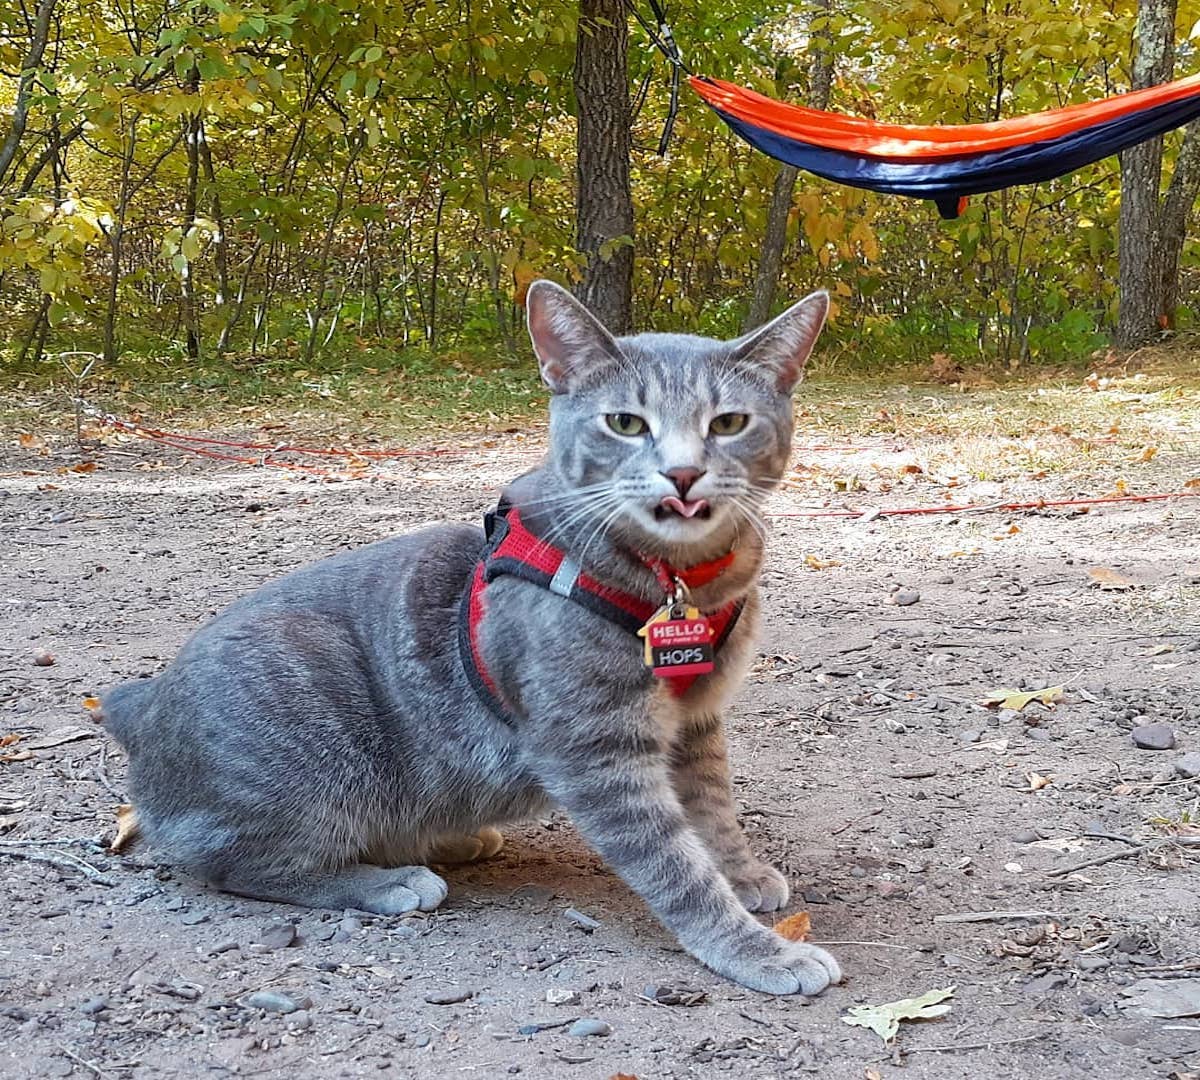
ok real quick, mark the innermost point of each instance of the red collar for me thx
(694, 577)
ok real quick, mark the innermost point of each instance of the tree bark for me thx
(603, 199)
(1140, 255)
(1173, 220)
(770, 260)
(38, 38)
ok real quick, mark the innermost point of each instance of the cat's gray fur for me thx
(318, 742)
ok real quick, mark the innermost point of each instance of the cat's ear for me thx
(567, 338)
(781, 348)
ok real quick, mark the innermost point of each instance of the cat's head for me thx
(671, 441)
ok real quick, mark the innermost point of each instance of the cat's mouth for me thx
(672, 505)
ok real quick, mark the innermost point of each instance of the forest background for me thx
(293, 193)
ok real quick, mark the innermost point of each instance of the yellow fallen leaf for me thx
(795, 927)
(1109, 580)
(885, 1019)
(128, 829)
(1018, 699)
(1037, 782)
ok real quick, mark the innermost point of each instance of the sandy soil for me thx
(865, 765)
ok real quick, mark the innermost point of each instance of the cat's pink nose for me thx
(683, 478)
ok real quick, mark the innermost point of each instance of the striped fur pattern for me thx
(318, 743)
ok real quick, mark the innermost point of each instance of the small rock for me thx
(904, 597)
(41, 658)
(451, 996)
(276, 1001)
(1187, 766)
(1153, 737)
(94, 1006)
(584, 1028)
(1045, 984)
(584, 922)
(279, 936)
(560, 995)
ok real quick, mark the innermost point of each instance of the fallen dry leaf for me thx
(1018, 699)
(795, 927)
(885, 1019)
(128, 829)
(1109, 580)
(1037, 782)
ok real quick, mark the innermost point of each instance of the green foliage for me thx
(332, 172)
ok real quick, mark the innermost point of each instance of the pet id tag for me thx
(678, 642)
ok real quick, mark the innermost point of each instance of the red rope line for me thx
(199, 444)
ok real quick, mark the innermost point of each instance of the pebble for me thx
(1153, 737)
(275, 1001)
(452, 996)
(279, 936)
(1187, 766)
(584, 922)
(583, 1028)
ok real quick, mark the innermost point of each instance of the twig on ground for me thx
(976, 1046)
(996, 916)
(89, 1065)
(63, 860)
(875, 944)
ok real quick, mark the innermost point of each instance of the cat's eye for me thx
(624, 423)
(730, 423)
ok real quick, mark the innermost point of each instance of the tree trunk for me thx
(770, 260)
(1173, 220)
(39, 36)
(1140, 253)
(603, 200)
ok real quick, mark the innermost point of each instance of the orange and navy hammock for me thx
(945, 163)
(949, 163)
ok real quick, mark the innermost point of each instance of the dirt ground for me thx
(901, 808)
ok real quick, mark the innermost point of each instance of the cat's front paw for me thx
(791, 967)
(759, 887)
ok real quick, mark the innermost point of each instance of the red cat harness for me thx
(513, 549)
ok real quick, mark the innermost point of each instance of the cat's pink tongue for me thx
(684, 508)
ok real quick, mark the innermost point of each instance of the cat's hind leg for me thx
(467, 847)
(382, 890)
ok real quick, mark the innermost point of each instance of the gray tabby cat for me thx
(320, 742)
